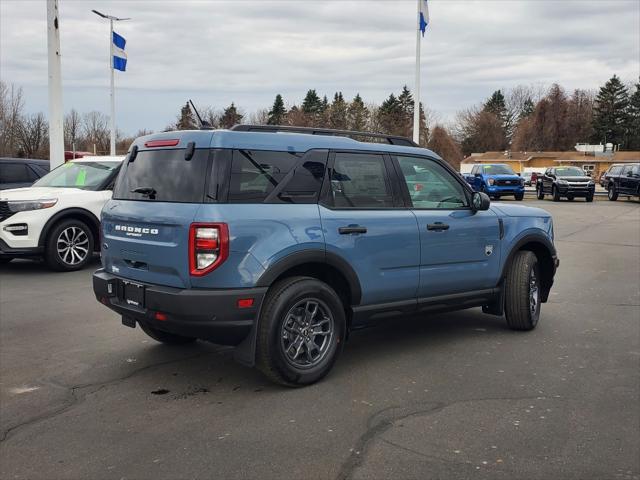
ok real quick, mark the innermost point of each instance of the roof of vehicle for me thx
(98, 158)
(37, 161)
(296, 142)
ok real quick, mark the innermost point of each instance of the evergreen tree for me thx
(527, 108)
(633, 124)
(497, 105)
(230, 117)
(391, 117)
(325, 104)
(405, 101)
(338, 112)
(186, 120)
(357, 114)
(278, 113)
(312, 104)
(610, 112)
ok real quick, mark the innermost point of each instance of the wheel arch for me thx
(73, 213)
(544, 250)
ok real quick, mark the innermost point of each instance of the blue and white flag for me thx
(424, 16)
(117, 49)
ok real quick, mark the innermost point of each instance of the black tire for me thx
(81, 252)
(284, 321)
(589, 198)
(5, 260)
(540, 192)
(571, 198)
(518, 305)
(555, 193)
(165, 337)
(519, 196)
(612, 193)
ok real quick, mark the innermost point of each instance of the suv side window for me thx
(255, 173)
(615, 170)
(359, 180)
(431, 185)
(14, 173)
(626, 170)
(636, 170)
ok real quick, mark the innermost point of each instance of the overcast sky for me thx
(216, 52)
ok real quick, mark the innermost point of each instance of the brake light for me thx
(208, 247)
(162, 143)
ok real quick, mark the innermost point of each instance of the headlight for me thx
(25, 205)
(491, 181)
(562, 182)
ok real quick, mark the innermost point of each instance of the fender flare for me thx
(313, 256)
(86, 215)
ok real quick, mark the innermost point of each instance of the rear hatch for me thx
(146, 224)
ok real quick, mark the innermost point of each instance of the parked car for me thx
(526, 176)
(21, 172)
(282, 243)
(569, 182)
(624, 180)
(496, 180)
(614, 169)
(57, 218)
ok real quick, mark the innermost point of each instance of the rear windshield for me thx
(163, 176)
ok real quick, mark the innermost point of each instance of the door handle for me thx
(352, 229)
(438, 226)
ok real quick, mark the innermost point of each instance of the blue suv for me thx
(496, 180)
(283, 240)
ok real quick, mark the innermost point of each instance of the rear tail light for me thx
(208, 247)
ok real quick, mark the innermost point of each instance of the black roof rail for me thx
(391, 139)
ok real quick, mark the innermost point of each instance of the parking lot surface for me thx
(454, 395)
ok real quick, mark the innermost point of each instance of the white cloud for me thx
(217, 52)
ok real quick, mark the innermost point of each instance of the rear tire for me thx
(570, 198)
(522, 292)
(69, 246)
(165, 337)
(555, 193)
(612, 193)
(301, 331)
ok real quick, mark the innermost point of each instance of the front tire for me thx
(519, 196)
(612, 193)
(540, 192)
(589, 198)
(165, 337)
(555, 193)
(301, 330)
(69, 246)
(522, 292)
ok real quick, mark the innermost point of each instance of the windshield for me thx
(84, 175)
(497, 170)
(570, 172)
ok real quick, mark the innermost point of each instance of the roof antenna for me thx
(204, 125)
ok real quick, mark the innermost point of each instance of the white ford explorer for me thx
(57, 218)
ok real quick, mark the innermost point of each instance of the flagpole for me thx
(56, 133)
(416, 90)
(112, 149)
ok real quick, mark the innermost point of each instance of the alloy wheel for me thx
(73, 245)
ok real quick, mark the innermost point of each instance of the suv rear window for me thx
(164, 176)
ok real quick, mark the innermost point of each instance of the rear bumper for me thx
(208, 314)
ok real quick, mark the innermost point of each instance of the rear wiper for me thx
(146, 191)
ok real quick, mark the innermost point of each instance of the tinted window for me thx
(163, 176)
(431, 185)
(360, 181)
(305, 183)
(615, 170)
(626, 170)
(14, 173)
(255, 173)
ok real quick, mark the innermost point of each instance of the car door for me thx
(626, 180)
(459, 248)
(365, 223)
(547, 180)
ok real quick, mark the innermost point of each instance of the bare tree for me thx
(72, 130)
(32, 136)
(443, 144)
(11, 108)
(96, 131)
(260, 117)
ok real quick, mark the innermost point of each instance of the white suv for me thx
(58, 216)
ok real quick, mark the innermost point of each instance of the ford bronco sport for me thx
(282, 240)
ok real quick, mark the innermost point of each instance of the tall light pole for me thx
(111, 18)
(56, 133)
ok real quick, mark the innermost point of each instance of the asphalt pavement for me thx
(454, 395)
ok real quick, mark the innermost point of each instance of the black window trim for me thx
(466, 188)
(326, 199)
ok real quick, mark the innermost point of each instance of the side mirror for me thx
(480, 201)
(478, 175)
